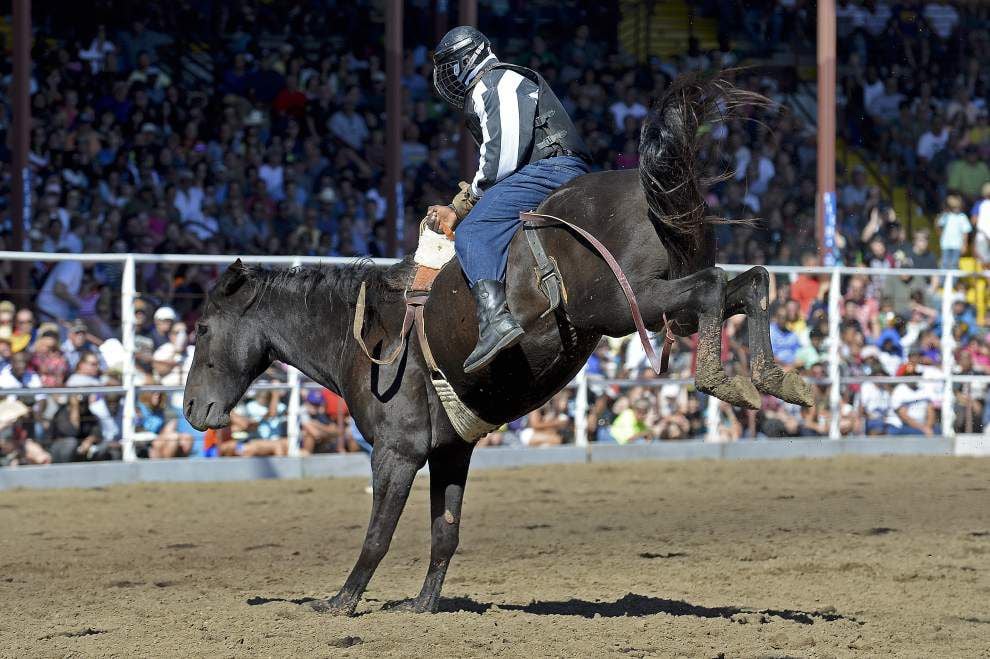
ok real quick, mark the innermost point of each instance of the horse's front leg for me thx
(448, 474)
(700, 297)
(392, 478)
(749, 294)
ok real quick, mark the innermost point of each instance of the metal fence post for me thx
(292, 419)
(948, 359)
(127, 293)
(834, 338)
(711, 416)
(581, 408)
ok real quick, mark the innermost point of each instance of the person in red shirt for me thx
(804, 290)
(290, 102)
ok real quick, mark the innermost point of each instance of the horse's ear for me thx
(233, 278)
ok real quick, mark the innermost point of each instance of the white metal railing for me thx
(295, 384)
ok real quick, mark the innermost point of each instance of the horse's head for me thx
(232, 349)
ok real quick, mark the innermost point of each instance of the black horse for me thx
(654, 223)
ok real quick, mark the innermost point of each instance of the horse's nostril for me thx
(189, 408)
(208, 408)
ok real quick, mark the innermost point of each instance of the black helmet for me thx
(457, 60)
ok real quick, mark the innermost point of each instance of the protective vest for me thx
(554, 133)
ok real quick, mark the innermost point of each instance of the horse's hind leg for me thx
(749, 294)
(702, 296)
(392, 478)
(448, 473)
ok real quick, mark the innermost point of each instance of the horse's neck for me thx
(311, 334)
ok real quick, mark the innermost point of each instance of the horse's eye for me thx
(201, 329)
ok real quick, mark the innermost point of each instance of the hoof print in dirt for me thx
(346, 642)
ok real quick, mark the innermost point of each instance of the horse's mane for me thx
(340, 281)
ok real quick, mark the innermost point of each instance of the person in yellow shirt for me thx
(630, 426)
(968, 175)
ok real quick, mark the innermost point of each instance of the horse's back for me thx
(612, 207)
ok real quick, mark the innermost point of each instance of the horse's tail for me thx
(670, 164)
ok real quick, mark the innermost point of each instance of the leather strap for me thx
(414, 304)
(416, 298)
(547, 277)
(659, 365)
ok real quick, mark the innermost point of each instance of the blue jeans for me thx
(482, 238)
(950, 259)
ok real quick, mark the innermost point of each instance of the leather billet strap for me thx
(416, 298)
(659, 364)
(547, 277)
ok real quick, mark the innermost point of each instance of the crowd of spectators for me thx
(271, 141)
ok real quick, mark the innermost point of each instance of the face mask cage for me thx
(447, 82)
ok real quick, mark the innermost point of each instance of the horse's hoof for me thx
(788, 387)
(410, 606)
(736, 391)
(795, 390)
(333, 606)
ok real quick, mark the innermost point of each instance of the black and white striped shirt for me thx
(504, 104)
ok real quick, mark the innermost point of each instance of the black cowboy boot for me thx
(497, 329)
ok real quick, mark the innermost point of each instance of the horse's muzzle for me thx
(204, 415)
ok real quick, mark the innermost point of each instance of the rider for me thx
(528, 148)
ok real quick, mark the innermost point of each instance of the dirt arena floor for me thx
(848, 557)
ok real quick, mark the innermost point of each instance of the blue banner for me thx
(830, 255)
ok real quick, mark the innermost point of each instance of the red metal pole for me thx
(467, 152)
(393, 118)
(20, 194)
(826, 210)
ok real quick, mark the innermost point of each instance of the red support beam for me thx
(393, 119)
(826, 206)
(20, 194)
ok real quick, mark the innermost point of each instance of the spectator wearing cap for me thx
(164, 318)
(631, 426)
(954, 227)
(911, 410)
(874, 398)
(785, 342)
(319, 432)
(78, 344)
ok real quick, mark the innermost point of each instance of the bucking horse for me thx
(653, 221)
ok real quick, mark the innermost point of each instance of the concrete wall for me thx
(340, 466)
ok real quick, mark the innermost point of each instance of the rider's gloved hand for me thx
(442, 218)
(463, 201)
